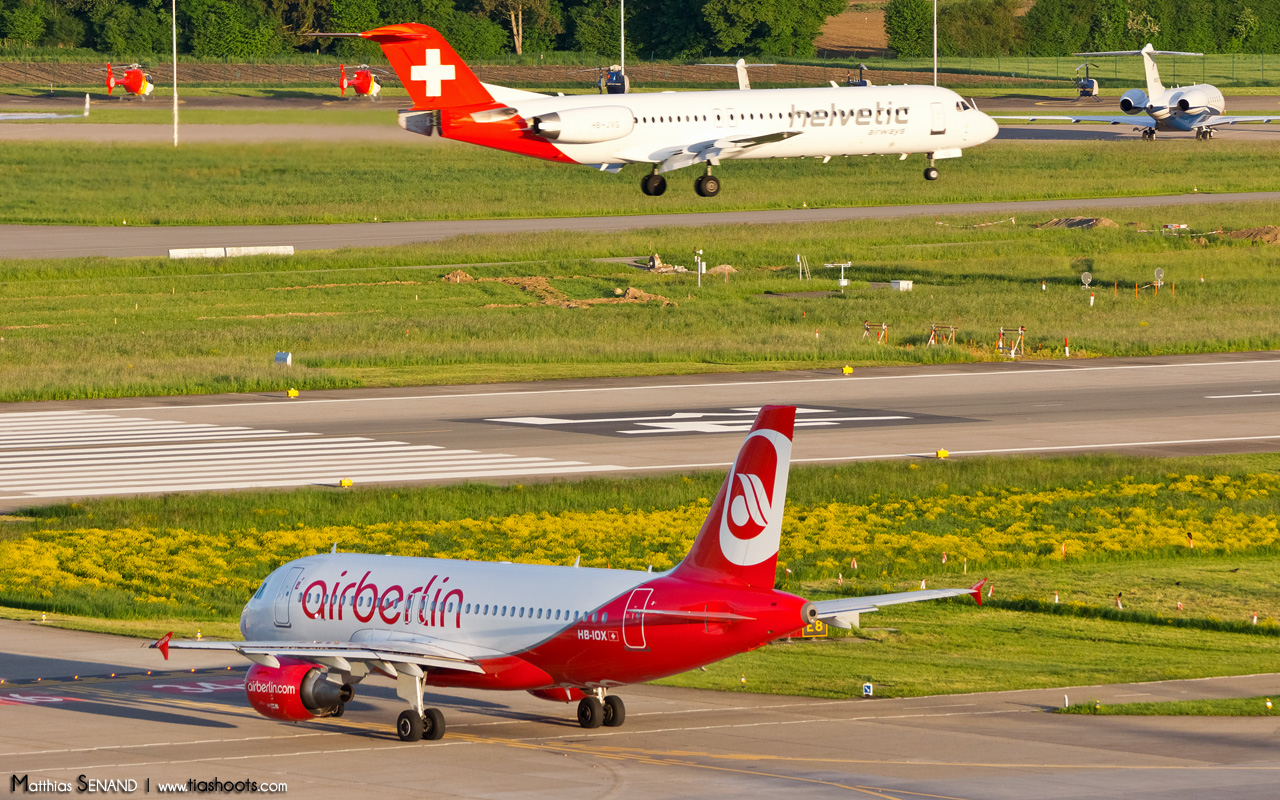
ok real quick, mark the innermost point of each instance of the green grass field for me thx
(377, 317)
(294, 182)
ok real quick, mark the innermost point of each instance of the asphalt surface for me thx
(189, 720)
(67, 241)
(1171, 405)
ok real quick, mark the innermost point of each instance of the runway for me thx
(66, 241)
(189, 720)
(1159, 406)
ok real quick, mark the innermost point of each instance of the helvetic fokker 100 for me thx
(319, 625)
(1185, 108)
(673, 130)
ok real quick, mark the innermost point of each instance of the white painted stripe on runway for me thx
(207, 447)
(1063, 370)
(282, 466)
(71, 442)
(1236, 396)
(90, 421)
(328, 480)
(8, 465)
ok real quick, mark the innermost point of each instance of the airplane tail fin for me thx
(435, 76)
(739, 540)
(1154, 87)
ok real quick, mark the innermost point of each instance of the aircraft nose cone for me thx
(987, 129)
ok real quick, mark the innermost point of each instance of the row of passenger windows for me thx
(486, 610)
(748, 116)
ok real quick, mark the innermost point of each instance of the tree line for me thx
(478, 29)
(986, 28)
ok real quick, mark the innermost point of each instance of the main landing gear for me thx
(1204, 134)
(1149, 134)
(417, 723)
(653, 184)
(600, 709)
(707, 185)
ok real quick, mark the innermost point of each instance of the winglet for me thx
(163, 645)
(976, 590)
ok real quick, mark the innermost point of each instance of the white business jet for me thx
(674, 130)
(1186, 108)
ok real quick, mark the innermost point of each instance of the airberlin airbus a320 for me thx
(673, 130)
(321, 624)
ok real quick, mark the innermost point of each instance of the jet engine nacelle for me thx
(1193, 102)
(1133, 101)
(294, 691)
(584, 125)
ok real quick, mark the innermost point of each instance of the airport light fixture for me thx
(174, 20)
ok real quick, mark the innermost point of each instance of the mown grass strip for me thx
(207, 184)
(1223, 707)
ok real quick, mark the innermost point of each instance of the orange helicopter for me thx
(135, 82)
(365, 80)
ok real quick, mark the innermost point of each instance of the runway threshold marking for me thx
(1064, 370)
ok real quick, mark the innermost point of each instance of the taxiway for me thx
(189, 719)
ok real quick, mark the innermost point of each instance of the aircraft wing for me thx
(840, 611)
(725, 148)
(1212, 122)
(1140, 121)
(375, 655)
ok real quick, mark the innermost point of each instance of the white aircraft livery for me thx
(319, 625)
(1186, 108)
(673, 130)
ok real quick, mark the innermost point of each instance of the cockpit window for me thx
(262, 589)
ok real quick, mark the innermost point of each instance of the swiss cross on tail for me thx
(739, 540)
(433, 73)
(430, 70)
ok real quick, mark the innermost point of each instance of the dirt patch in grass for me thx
(1267, 234)
(549, 295)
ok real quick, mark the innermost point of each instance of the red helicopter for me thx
(135, 81)
(365, 80)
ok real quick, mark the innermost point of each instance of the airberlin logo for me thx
(751, 524)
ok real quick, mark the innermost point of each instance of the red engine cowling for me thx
(294, 691)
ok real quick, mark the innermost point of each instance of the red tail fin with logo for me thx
(427, 65)
(739, 540)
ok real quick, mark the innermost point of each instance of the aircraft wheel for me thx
(338, 710)
(409, 726)
(590, 712)
(615, 712)
(930, 173)
(433, 724)
(653, 184)
(707, 186)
